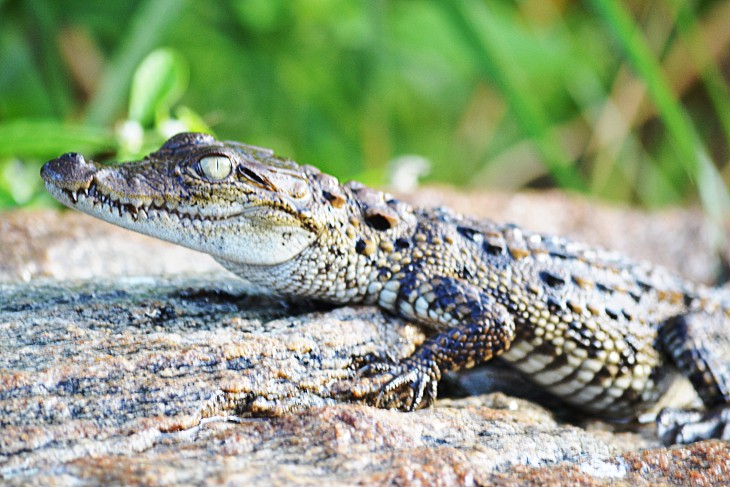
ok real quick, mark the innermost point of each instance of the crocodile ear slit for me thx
(256, 178)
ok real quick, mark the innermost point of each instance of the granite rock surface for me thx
(124, 360)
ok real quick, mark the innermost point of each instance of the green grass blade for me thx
(477, 25)
(693, 155)
(712, 78)
(149, 24)
(50, 138)
(49, 57)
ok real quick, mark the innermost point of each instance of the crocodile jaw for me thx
(242, 232)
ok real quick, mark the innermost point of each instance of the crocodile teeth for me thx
(154, 209)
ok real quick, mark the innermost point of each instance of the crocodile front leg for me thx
(474, 328)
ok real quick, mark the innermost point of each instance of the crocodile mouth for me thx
(93, 199)
(111, 192)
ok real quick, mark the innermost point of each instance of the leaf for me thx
(149, 23)
(44, 139)
(159, 81)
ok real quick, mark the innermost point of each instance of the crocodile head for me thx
(236, 202)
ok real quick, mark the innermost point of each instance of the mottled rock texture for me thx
(124, 360)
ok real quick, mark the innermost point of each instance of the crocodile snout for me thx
(70, 171)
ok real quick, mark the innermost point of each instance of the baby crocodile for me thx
(599, 331)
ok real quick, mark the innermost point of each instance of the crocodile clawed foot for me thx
(406, 386)
(411, 388)
(687, 426)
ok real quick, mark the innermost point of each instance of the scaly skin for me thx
(599, 331)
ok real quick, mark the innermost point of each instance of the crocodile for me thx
(599, 331)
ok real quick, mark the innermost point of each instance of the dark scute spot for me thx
(551, 279)
(561, 254)
(492, 249)
(553, 304)
(635, 296)
(402, 243)
(379, 221)
(603, 288)
(644, 286)
(360, 246)
(336, 200)
(467, 232)
(612, 313)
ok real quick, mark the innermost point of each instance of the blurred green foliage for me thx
(623, 99)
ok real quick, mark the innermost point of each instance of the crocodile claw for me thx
(372, 363)
(409, 385)
(687, 426)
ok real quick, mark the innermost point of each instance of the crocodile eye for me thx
(216, 168)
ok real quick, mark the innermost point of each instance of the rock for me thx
(65, 245)
(119, 363)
